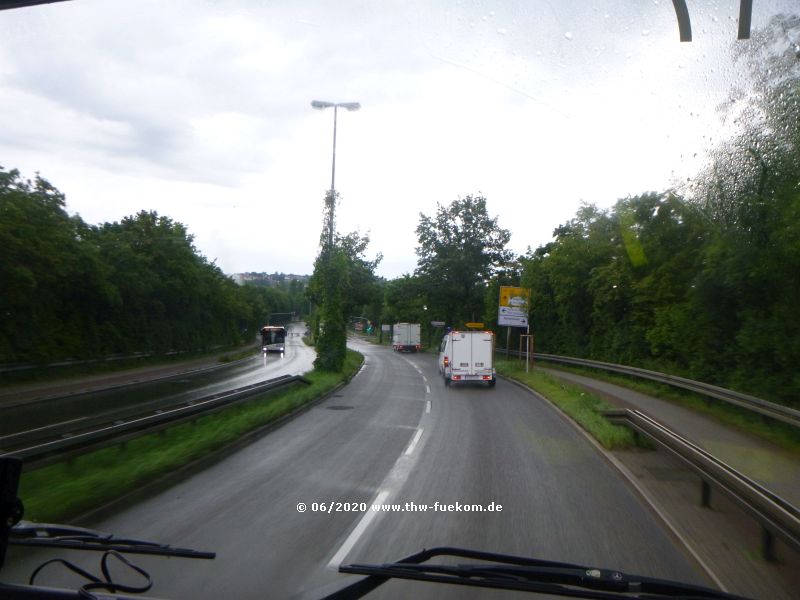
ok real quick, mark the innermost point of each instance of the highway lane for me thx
(297, 360)
(560, 499)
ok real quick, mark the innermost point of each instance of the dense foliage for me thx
(73, 290)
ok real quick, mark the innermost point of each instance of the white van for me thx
(467, 356)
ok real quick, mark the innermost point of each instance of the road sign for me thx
(513, 306)
(386, 328)
(513, 320)
(474, 325)
(515, 297)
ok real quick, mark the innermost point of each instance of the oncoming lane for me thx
(168, 390)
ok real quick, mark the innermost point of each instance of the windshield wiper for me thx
(13, 530)
(64, 536)
(502, 571)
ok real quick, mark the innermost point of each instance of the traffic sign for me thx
(512, 320)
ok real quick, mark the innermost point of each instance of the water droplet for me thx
(645, 32)
(502, 31)
(568, 35)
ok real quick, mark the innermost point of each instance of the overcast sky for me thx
(200, 110)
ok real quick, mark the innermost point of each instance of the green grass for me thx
(776, 432)
(581, 406)
(65, 490)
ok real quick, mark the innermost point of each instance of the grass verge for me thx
(776, 432)
(581, 406)
(64, 490)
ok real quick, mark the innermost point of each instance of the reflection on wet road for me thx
(183, 388)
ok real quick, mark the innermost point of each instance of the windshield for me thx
(606, 180)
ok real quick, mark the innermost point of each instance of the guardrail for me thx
(764, 407)
(776, 516)
(36, 453)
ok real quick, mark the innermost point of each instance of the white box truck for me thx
(406, 337)
(467, 356)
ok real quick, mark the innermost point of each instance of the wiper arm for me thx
(64, 536)
(522, 574)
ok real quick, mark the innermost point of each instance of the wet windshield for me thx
(600, 180)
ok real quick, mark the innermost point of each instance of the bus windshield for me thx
(273, 338)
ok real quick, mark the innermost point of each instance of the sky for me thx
(201, 111)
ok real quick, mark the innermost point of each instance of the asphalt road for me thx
(24, 411)
(394, 435)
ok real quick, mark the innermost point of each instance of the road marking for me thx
(351, 540)
(391, 484)
(414, 441)
(427, 389)
(428, 405)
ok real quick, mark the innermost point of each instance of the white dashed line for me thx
(414, 441)
(351, 540)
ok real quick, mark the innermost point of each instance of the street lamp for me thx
(322, 105)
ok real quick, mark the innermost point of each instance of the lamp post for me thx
(322, 105)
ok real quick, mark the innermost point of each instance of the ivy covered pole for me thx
(330, 270)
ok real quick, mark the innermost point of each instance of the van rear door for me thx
(472, 356)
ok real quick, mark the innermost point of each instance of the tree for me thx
(459, 250)
(72, 290)
(51, 279)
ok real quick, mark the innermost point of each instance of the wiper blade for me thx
(48, 535)
(522, 574)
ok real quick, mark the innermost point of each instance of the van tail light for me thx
(446, 362)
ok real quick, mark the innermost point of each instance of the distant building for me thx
(268, 279)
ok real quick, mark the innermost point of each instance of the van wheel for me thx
(492, 382)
